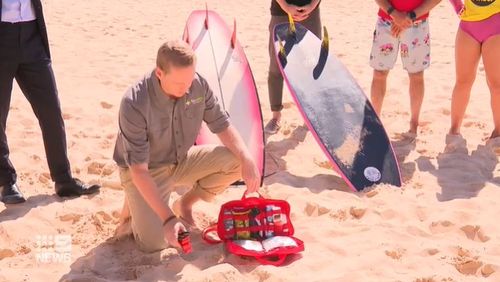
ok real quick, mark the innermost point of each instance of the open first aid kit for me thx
(256, 227)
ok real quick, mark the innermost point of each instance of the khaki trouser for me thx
(208, 169)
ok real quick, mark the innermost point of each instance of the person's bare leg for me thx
(491, 61)
(378, 88)
(416, 97)
(467, 54)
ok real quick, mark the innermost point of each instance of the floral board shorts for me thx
(413, 44)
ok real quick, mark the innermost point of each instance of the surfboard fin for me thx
(185, 36)
(291, 26)
(325, 43)
(233, 37)
(282, 51)
(206, 16)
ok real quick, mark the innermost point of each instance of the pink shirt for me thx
(403, 6)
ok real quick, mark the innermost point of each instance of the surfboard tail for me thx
(291, 25)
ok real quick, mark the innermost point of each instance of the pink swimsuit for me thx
(479, 30)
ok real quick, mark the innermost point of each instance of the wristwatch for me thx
(412, 15)
(390, 10)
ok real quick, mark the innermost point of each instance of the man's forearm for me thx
(149, 191)
(232, 140)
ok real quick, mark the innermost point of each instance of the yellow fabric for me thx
(478, 10)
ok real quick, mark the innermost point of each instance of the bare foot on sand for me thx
(455, 143)
(184, 212)
(124, 229)
(494, 144)
(406, 136)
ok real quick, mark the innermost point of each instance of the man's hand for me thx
(250, 174)
(298, 13)
(288, 8)
(298, 17)
(303, 12)
(396, 30)
(171, 232)
(401, 19)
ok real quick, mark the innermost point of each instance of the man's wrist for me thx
(390, 10)
(412, 15)
(168, 219)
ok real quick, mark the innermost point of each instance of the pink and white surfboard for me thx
(222, 62)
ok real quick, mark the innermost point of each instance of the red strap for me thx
(266, 260)
(245, 195)
(210, 240)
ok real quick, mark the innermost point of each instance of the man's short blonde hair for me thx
(175, 53)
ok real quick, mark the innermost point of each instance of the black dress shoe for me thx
(11, 194)
(75, 187)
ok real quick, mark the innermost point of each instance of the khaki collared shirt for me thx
(159, 130)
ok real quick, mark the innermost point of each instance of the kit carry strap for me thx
(245, 195)
(210, 239)
(266, 260)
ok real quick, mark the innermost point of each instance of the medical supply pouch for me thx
(256, 227)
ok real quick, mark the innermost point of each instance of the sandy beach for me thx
(439, 226)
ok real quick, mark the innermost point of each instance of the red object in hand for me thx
(185, 242)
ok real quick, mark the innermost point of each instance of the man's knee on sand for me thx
(151, 244)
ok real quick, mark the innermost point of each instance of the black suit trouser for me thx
(23, 57)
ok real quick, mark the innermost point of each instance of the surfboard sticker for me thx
(372, 173)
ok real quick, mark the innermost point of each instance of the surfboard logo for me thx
(483, 3)
(373, 174)
(194, 101)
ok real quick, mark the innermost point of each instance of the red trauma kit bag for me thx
(256, 227)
